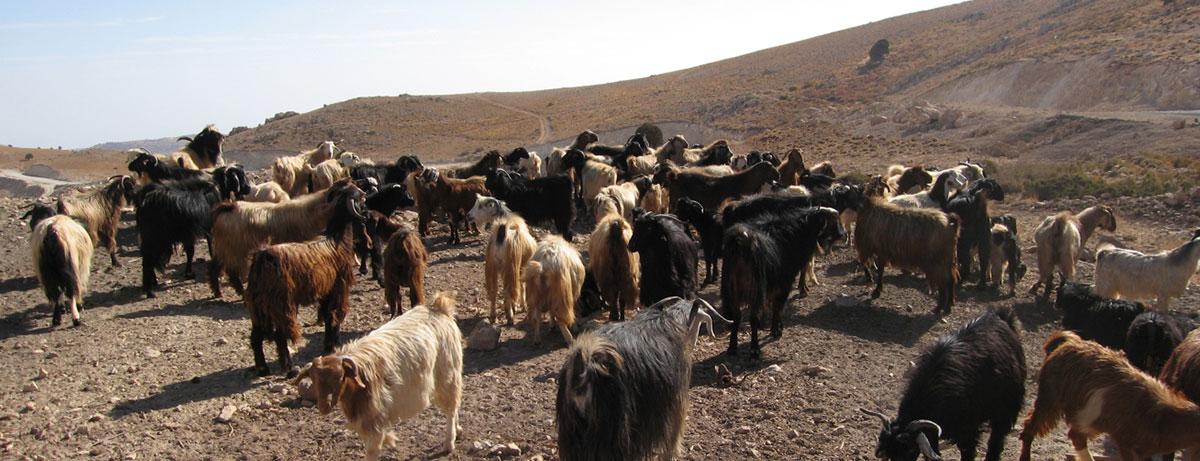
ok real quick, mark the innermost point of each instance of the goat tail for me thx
(55, 267)
(443, 303)
(268, 297)
(620, 264)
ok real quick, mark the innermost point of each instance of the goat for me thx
(293, 173)
(656, 199)
(1008, 258)
(486, 210)
(205, 148)
(524, 162)
(613, 265)
(157, 170)
(404, 265)
(675, 150)
(62, 260)
(710, 191)
(622, 197)
(170, 214)
(509, 248)
(1096, 391)
(455, 196)
(1096, 318)
(591, 175)
(1130, 274)
(960, 382)
(38, 212)
(666, 257)
(623, 388)
(395, 173)
(972, 171)
(710, 231)
(715, 154)
(903, 180)
(907, 238)
(553, 279)
(1151, 339)
(762, 258)
(486, 164)
(284, 276)
(99, 211)
(178, 158)
(824, 169)
(233, 184)
(536, 200)
(937, 196)
(239, 228)
(393, 373)
(1182, 370)
(381, 223)
(975, 232)
(324, 174)
(1061, 238)
(792, 168)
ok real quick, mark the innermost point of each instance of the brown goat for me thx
(792, 168)
(907, 238)
(1182, 371)
(454, 196)
(1096, 391)
(282, 277)
(99, 211)
(404, 264)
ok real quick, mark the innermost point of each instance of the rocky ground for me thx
(167, 378)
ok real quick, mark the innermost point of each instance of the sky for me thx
(77, 73)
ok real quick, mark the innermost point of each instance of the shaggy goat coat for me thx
(1132, 274)
(1096, 391)
(1182, 370)
(239, 228)
(909, 238)
(404, 263)
(62, 257)
(667, 258)
(614, 266)
(509, 248)
(170, 214)
(393, 373)
(960, 382)
(553, 280)
(99, 211)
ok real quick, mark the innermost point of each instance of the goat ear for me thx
(350, 370)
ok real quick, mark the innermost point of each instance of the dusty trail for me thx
(543, 121)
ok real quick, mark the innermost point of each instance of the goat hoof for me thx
(875, 294)
(55, 322)
(76, 322)
(292, 373)
(262, 371)
(776, 334)
(150, 295)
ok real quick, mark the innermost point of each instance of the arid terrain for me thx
(1068, 103)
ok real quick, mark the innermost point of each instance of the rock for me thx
(95, 417)
(814, 370)
(264, 405)
(774, 368)
(38, 352)
(484, 337)
(844, 301)
(51, 355)
(31, 387)
(42, 374)
(755, 453)
(307, 392)
(744, 430)
(794, 433)
(152, 353)
(508, 450)
(277, 388)
(877, 119)
(477, 447)
(226, 415)
(28, 407)
(1179, 124)
(222, 341)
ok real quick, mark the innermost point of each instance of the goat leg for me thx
(57, 308)
(257, 335)
(189, 249)
(285, 356)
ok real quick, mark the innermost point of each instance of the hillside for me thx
(159, 145)
(1043, 55)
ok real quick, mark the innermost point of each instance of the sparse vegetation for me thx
(280, 116)
(1133, 176)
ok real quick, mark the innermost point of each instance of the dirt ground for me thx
(146, 379)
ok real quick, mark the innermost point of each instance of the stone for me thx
(814, 370)
(484, 337)
(42, 373)
(31, 387)
(277, 388)
(95, 417)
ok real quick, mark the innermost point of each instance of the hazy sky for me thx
(79, 73)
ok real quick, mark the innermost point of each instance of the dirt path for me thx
(543, 121)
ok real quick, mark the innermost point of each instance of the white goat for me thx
(1129, 274)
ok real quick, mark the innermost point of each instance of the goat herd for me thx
(1116, 369)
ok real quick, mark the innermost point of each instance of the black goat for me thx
(710, 230)
(960, 382)
(379, 226)
(395, 173)
(762, 257)
(231, 182)
(1105, 321)
(159, 171)
(717, 154)
(976, 231)
(1152, 337)
(536, 200)
(667, 256)
(169, 214)
(37, 213)
(623, 389)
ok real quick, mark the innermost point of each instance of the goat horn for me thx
(922, 424)
(882, 417)
(713, 311)
(658, 305)
(927, 448)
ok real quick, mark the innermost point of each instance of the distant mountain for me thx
(160, 145)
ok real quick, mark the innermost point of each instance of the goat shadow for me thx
(705, 372)
(214, 385)
(865, 320)
(214, 309)
(25, 322)
(512, 350)
(462, 257)
(18, 284)
(1034, 314)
